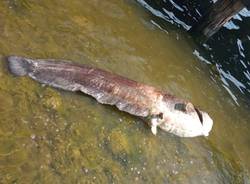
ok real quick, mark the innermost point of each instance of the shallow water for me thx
(53, 136)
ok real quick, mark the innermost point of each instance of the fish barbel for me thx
(157, 107)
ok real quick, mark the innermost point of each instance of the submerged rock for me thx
(51, 99)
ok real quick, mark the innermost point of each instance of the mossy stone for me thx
(51, 99)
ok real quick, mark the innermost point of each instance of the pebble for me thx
(33, 136)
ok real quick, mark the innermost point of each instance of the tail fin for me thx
(18, 66)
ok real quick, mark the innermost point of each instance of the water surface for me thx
(53, 136)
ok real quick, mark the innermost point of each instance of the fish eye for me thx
(180, 107)
(160, 115)
(184, 107)
(199, 115)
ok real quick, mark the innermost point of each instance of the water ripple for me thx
(169, 16)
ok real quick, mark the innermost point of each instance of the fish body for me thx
(159, 108)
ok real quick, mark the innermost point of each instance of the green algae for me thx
(51, 99)
(118, 142)
(52, 136)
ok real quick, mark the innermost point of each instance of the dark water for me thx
(52, 136)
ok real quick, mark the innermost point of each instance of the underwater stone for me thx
(51, 99)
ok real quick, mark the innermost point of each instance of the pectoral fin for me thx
(154, 129)
(154, 124)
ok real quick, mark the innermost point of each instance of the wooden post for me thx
(220, 13)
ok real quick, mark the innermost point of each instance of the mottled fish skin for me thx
(105, 87)
(127, 95)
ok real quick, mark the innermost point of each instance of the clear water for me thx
(53, 136)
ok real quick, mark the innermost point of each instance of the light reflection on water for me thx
(225, 49)
(167, 15)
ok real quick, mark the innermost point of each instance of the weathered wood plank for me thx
(220, 13)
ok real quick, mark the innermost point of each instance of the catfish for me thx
(157, 107)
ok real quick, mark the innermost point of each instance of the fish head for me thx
(184, 120)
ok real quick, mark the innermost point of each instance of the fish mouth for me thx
(205, 120)
(199, 115)
(188, 107)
